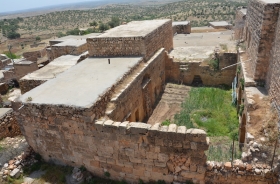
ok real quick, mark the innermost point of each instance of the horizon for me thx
(33, 4)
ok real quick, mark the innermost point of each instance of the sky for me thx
(15, 5)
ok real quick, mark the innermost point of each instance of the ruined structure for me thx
(72, 45)
(8, 123)
(183, 27)
(220, 25)
(258, 75)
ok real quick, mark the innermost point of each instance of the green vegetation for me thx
(214, 63)
(220, 150)
(166, 122)
(209, 109)
(9, 27)
(115, 21)
(224, 47)
(11, 55)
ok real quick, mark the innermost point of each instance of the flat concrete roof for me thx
(271, 1)
(243, 10)
(72, 42)
(82, 84)
(70, 37)
(23, 62)
(191, 53)
(134, 29)
(54, 68)
(220, 23)
(180, 23)
(4, 111)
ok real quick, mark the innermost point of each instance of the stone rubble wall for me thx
(273, 80)
(131, 100)
(27, 85)
(184, 72)
(260, 33)
(182, 29)
(9, 126)
(219, 173)
(129, 151)
(133, 46)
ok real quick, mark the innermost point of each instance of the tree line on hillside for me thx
(96, 28)
(9, 27)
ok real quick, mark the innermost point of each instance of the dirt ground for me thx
(170, 103)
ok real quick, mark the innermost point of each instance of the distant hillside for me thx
(199, 12)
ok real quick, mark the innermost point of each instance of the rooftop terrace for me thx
(134, 29)
(82, 84)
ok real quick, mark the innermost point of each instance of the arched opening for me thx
(197, 81)
(242, 130)
(137, 115)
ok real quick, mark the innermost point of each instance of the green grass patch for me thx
(209, 109)
(11, 55)
(220, 149)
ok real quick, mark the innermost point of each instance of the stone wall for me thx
(182, 29)
(8, 125)
(273, 80)
(184, 72)
(21, 70)
(33, 56)
(27, 85)
(133, 46)
(136, 101)
(57, 51)
(260, 33)
(239, 172)
(240, 18)
(129, 151)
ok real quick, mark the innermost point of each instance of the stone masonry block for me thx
(99, 125)
(154, 129)
(107, 126)
(123, 127)
(196, 135)
(172, 129)
(138, 128)
(163, 133)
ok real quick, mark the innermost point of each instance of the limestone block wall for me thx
(184, 72)
(27, 85)
(273, 77)
(23, 69)
(57, 51)
(134, 99)
(129, 151)
(9, 126)
(133, 46)
(260, 33)
(33, 56)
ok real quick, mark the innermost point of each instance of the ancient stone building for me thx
(258, 75)
(240, 19)
(68, 45)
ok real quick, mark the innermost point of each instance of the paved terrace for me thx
(54, 68)
(134, 29)
(72, 40)
(82, 84)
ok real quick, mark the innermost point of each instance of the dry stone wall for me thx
(239, 172)
(57, 51)
(33, 56)
(260, 34)
(27, 85)
(8, 125)
(146, 46)
(184, 72)
(132, 99)
(129, 151)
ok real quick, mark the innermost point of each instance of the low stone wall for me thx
(8, 125)
(239, 173)
(33, 56)
(129, 151)
(184, 72)
(27, 85)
